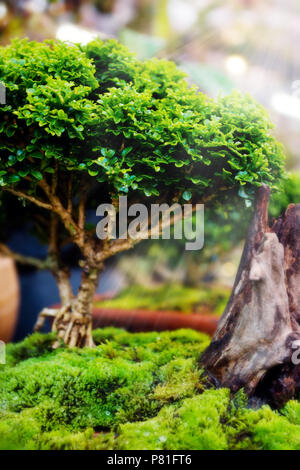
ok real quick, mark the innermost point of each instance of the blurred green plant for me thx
(208, 78)
(289, 193)
(171, 297)
(144, 45)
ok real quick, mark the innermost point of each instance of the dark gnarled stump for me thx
(258, 332)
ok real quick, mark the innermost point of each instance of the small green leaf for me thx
(37, 174)
(125, 151)
(13, 178)
(93, 172)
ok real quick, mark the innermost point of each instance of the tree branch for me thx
(59, 209)
(81, 212)
(32, 199)
(61, 273)
(69, 194)
(26, 260)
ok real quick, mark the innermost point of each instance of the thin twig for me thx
(27, 260)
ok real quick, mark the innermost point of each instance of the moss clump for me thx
(171, 297)
(192, 424)
(133, 391)
(35, 345)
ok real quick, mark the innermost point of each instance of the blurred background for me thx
(251, 45)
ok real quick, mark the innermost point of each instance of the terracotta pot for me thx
(147, 320)
(9, 298)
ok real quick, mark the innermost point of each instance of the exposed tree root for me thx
(73, 321)
(73, 329)
(43, 315)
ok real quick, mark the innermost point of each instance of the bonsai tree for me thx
(84, 125)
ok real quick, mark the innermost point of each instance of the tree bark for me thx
(62, 277)
(255, 340)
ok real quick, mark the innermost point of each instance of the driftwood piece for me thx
(255, 339)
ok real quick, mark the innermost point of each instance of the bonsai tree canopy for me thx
(86, 124)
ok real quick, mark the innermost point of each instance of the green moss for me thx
(32, 346)
(133, 391)
(17, 429)
(171, 297)
(82, 440)
(179, 378)
(193, 425)
(210, 421)
(101, 387)
(265, 429)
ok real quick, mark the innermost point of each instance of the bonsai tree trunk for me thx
(256, 337)
(62, 278)
(73, 321)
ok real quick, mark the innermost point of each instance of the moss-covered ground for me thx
(133, 391)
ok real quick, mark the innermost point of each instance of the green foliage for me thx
(45, 98)
(170, 297)
(101, 113)
(133, 391)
